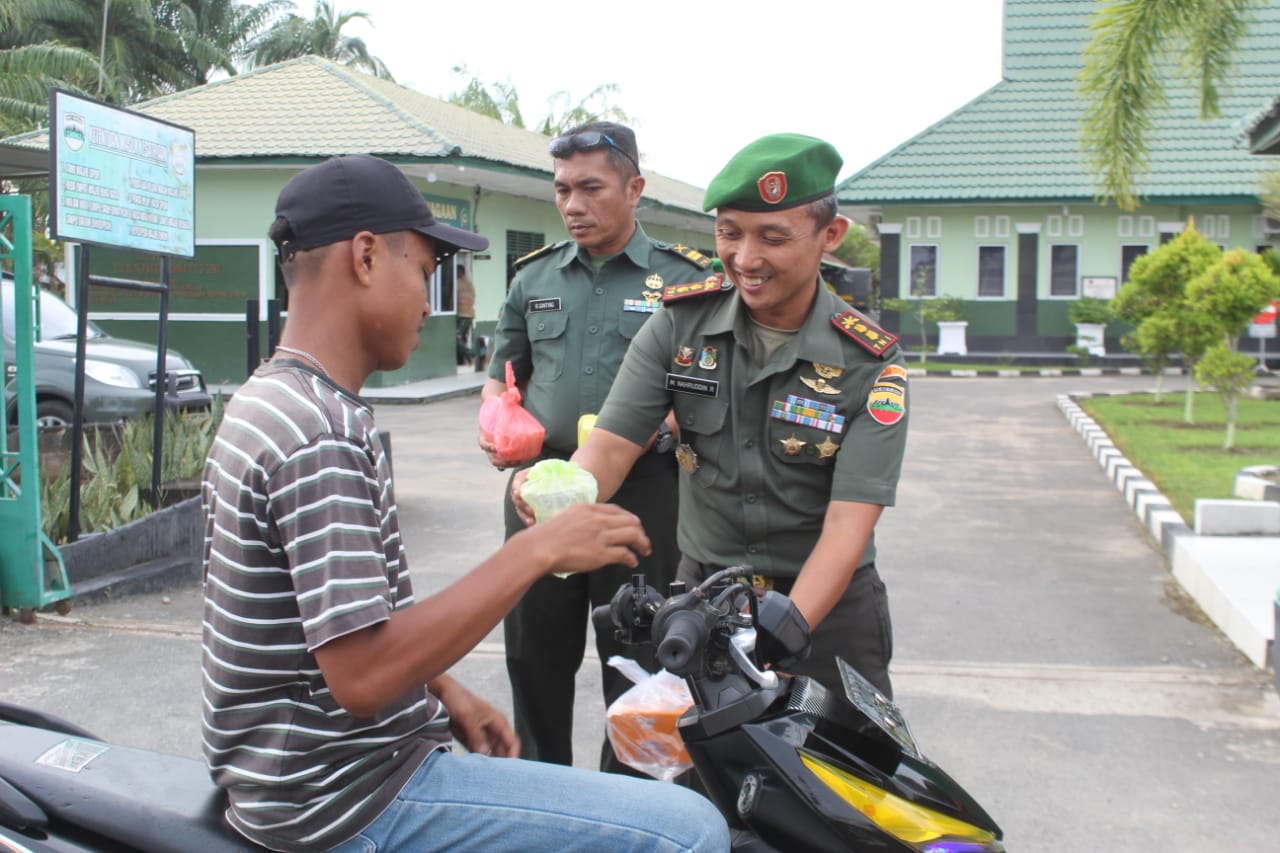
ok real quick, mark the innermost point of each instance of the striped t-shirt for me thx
(302, 546)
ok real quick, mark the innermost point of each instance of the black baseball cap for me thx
(339, 198)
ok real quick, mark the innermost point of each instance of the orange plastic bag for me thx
(515, 433)
(641, 723)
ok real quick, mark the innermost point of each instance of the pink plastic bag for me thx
(515, 433)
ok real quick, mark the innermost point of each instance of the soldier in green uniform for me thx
(573, 309)
(791, 407)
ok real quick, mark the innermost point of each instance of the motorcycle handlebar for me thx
(683, 637)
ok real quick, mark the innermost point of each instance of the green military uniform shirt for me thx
(766, 448)
(565, 326)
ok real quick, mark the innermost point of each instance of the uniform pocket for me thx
(703, 426)
(629, 323)
(547, 341)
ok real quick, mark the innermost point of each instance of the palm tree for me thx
(218, 35)
(1123, 77)
(322, 36)
(501, 101)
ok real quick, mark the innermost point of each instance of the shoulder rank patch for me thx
(711, 284)
(538, 253)
(693, 256)
(870, 336)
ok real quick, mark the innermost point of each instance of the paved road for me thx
(1044, 656)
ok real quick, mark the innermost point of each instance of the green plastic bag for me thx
(555, 484)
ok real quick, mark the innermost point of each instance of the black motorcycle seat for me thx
(149, 801)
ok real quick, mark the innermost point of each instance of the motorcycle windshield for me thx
(877, 708)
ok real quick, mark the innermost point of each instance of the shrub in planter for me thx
(1089, 309)
(115, 487)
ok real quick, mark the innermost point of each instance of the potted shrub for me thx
(948, 313)
(1090, 316)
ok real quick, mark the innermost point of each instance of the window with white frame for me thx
(1129, 253)
(933, 227)
(982, 227)
(1064, 266)
(924, 270)
(991, 271)
(1002, 226)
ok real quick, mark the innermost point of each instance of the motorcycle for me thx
(792, 764)
(62, 790)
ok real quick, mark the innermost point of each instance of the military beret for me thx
(774, 173)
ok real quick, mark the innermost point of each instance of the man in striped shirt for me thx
(328, 710)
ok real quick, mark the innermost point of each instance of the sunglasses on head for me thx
(587, 140)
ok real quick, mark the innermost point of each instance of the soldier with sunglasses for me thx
(570, 315)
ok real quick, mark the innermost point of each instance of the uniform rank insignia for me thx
(693, 256)
(870, 336)
(711, 284)
(538, 253)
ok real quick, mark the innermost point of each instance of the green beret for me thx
(774, 173)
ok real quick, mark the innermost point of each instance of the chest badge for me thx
(687, 458)
(826, 371)
(820, 385)
(654, 282)
(684, 356)
(707, 361)
(793, 445)
(827, 449)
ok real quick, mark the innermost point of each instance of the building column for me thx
(1028, 278)
(890, 270)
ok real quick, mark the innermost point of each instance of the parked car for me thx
(119, 373)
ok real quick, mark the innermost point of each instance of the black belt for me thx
(782, 584)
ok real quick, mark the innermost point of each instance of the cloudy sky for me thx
(702, 78)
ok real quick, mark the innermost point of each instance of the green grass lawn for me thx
(1187, 461)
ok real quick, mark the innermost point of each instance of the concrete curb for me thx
(1150, 505)
(1232, 578)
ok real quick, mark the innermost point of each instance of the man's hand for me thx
(496, 459)
(476, 724)
(523, 510)
(585, 537)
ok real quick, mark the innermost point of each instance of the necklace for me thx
(308, 356)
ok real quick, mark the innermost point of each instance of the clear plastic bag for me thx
(554, 484)
(515, 433)
(641, 723)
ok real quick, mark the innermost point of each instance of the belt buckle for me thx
(762, 582)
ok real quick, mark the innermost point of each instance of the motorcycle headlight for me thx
(111, 374)
(923, 828)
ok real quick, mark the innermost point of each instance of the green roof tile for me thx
(1020, 140)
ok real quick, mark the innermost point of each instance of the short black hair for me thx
(824, 210)
(624, 138)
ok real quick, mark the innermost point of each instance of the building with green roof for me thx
(256, 130)
(995, 204)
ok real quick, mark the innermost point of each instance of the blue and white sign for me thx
(119, 178)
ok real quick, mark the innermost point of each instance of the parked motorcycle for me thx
(793, 765)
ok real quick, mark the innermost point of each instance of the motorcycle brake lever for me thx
(741, 645)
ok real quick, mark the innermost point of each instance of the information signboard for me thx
(118, 178)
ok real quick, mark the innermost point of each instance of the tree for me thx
(219, 35)
(501, 101)
(295, 36)
(925, 310)
(1154, 301)
(498, 101)
(1123, 80)
(1231, 292)
(857, 248)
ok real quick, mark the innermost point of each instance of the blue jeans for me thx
(466, 802)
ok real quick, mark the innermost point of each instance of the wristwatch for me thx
(665, 442)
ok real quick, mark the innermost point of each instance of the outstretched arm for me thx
(369, 668)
